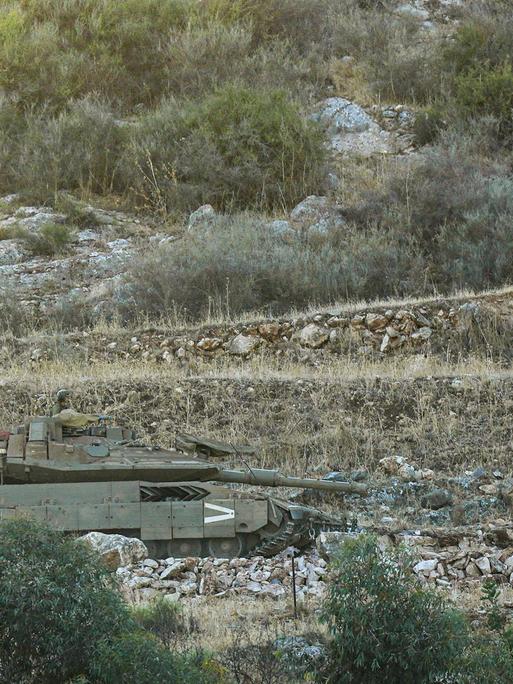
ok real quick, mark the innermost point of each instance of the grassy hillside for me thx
(163, 105)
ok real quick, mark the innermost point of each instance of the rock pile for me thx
(397, 465)
(177, 578)
(467, 559)
(444, 557)
(94, 255)
(381, 333)
(447, 557)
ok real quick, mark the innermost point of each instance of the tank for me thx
(82, 477)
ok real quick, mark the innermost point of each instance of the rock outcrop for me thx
(351, 130)
(115, 550)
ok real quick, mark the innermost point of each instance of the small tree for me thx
(56, 603)
(62, 620)
(385, 627)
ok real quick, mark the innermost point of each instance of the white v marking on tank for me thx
(226, 513)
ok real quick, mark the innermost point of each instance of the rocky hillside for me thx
(309, 252)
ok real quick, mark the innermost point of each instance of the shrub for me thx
(268, 658)
(163, 619)
(300, 22)
(487, 90)
(56, 602)
(203, 58)
(446, 184)
(133, 52)
(478, 66)
(428, 124)
(478, 251)
(137, 658)
(397, 63)
(52, 51)
(240, 266)
(236, 148)
(49, 240)
(63, 620)
(489, 659)
(78, 150)
(14, 318)
(384, 626)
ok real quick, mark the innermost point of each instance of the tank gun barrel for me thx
(273, 478)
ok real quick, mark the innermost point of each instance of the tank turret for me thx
(80, 475)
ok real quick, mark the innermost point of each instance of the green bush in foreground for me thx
(56, 602)
(63, 620)
(384, 626)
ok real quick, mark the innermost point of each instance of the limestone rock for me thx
(472, 570)
(209, 343)
(425, 566)
(412, 10)
(328, 543)
(350, 129)
(10, 252)
(397, 465)
(484, 565)
(115, 550)
(203, 217)
(422, 334)
(316, 215)
(313, 336)
(375, 321)
(339, 115)
(241, 345)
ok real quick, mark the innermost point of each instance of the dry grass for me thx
(174, 323)
(303, 424)
(220, 619)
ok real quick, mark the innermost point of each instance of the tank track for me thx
(294, 533)
(278, 542)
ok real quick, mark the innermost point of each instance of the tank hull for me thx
(173, 519)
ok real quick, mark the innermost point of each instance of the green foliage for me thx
(237, 148)
(397, 63)
(56, 601)
(490, 594)
(54, 51)
(131, 52)
(49, 240)
(77, 213)
(428, 124)
(384, 626)
(487, 90)
(163, 619)
(299, 22)
(134, 658)
(63, 620)
(478, 66)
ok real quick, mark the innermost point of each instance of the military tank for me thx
(82, 474)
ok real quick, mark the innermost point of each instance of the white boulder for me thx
(115, 550)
